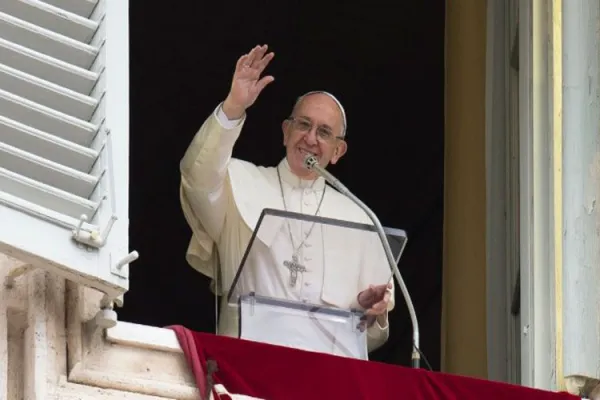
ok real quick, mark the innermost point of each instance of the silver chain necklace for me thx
(294, 265)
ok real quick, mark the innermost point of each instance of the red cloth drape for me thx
(280, 373)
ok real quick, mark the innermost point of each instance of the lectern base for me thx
(302, 326)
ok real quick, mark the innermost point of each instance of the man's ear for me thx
(339, 151)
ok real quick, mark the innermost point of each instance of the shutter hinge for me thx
(106, 317)
(117, 269)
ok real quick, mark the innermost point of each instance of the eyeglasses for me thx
(324, 133)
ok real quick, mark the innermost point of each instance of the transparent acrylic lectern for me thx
(299, 278)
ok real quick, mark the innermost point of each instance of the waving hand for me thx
(247, 83)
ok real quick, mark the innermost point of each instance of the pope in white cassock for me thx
(222, 199)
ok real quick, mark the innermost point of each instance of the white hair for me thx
(332, 97)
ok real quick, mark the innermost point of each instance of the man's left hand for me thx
(375, 301)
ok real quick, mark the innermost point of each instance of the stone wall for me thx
(50, 347)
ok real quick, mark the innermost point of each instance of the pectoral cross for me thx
(294, 266)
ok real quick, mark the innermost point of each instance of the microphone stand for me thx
(312, 164)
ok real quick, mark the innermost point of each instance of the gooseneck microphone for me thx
(312, 164)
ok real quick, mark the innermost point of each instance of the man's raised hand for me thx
(247, 83)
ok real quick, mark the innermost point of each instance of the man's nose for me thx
(311, 137)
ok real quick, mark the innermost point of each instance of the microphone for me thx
(311, 163)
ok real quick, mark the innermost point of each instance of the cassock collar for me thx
(294, 181)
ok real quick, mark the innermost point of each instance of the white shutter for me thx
(64, 137)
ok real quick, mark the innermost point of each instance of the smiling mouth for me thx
(307, 153)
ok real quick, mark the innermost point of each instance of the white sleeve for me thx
(223, 120)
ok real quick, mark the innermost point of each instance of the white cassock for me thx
(222, 199)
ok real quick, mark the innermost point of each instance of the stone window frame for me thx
(52, 348)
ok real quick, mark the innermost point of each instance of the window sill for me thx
(145, 337)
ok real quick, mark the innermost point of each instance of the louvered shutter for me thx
(64, 136)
